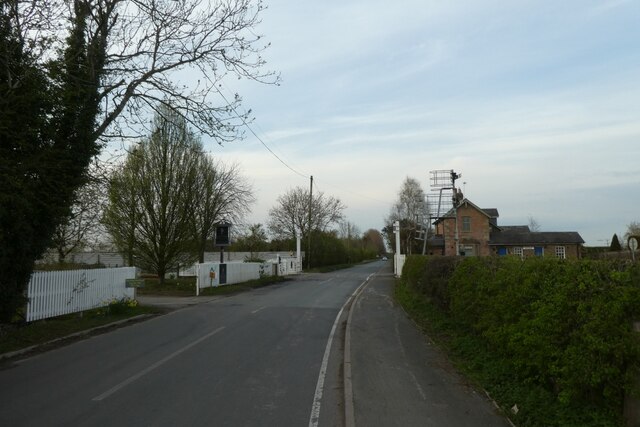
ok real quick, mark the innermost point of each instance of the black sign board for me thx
(223, 235)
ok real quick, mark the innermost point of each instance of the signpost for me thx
(633, 246)
(223, 238)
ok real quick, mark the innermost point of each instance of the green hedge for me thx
(564, 327)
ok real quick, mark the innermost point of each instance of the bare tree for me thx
(159, 187)
(633, 229)
(291, 213)
(122, 211)
(534, 225)
(411, 210)
(83, 226)
(348, 230)
(222, 194)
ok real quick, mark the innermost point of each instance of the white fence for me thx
(288, 265)
(53, 293)
(237, 272)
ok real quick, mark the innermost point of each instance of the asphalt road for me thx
(268, 357)
(253, 359)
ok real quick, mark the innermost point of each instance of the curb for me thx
(26, 350)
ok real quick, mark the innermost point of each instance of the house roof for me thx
(491, 213)
(510, 237)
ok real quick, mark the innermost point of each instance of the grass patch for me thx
(16, 337)
(180, 287)
(241, 287)
(186, 286)
(471, 356)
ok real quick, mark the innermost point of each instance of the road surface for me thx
(268, 357)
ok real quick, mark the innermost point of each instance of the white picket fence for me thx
(53, 293)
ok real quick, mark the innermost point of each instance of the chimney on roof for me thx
(458, 196)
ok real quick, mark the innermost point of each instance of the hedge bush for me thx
(564, 326)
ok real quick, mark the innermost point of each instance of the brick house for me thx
(479, 234)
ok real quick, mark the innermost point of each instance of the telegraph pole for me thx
(309, 226)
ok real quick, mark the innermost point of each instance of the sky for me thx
(535, 103)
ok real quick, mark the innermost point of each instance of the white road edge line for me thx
(154, 366)
(317, 399)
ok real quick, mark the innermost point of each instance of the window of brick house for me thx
(466, 223)
(517, 250)
(560, 252)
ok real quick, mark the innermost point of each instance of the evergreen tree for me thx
(615, 244)
(46, 144)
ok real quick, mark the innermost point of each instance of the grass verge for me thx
(17, 337)
(241, 287)
(186, 287)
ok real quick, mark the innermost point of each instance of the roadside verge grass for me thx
(186, 286)
(19, 336)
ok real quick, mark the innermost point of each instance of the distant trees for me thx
(411, 210)
(291, 213)
(82, 227)
(633, 229)
(373, 240)
(292, 209)
(253, 241)
(164, 199)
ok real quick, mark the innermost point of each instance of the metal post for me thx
(309, 226)
(298, 251)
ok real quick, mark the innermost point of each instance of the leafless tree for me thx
(223, 194)
(149, 53)
(633, 229)
(534, 225)
(291, 213)
(411, 210)
(152, 197)
(83, 227)
(348, 230)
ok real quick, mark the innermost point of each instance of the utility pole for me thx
(309, 226)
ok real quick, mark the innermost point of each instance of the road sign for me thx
(633, 243)
(222, 234)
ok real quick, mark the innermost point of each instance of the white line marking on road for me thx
(317, 399)
(154, 366)
(257, 310)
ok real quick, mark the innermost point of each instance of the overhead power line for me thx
(244, 122)
(264, 144)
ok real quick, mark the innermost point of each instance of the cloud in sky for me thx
(534, 102)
